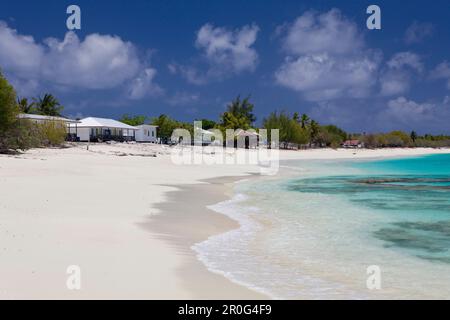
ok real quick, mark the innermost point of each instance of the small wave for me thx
(230, 254)
(216, 249)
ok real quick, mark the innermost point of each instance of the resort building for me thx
(146, 133)
(202, 136)
(247, 138)
(353, 144)
(101, 129)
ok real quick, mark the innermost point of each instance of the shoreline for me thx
(198, 224)
(225, 184)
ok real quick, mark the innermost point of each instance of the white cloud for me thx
(229, 49)
(446, 100)
(406, 111)
(143, 85)
(398, 75)
(442, 71)
(327, 58)
(406, 59)
(183, 98)
(406, 114)
(417, 32)
(329, 32)
(429, 116)
(394, 83)
(190, 73)
(172, 67)
(226, 52)
(97, 62)
(19, 53)
(324, 77)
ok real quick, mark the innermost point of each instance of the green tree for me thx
(332, 129)
(314, 130)
(290, 130)
(296, 117)
(167, 125)
(133, 120)
(15, 133)
(208, 124)
(304, 120)
(8, 112)
(413, 136)
(371, 141)
(48, 105)
(331, 136)
(25, 106)
(232, 121)
(405, 139)
(239, 114)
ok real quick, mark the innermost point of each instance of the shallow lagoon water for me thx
(313, 232)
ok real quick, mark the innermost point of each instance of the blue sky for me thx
(188, 59)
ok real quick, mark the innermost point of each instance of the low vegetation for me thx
(51, 133)
(167, 125)
(21, 134)
(401, 139)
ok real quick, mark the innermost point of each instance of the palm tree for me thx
(296, 117)
(413, 136)
(304, 120)
(24, 106)
(239, 113)
(48, 105)
(313, 131)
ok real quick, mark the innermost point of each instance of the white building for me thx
(101, 129)
(146, 133)
(202, 136)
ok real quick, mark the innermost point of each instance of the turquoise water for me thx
(313, 231)
(415, 192)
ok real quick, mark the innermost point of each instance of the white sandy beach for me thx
(94, 209)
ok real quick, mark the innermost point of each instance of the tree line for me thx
(296, 131)
(401, 139)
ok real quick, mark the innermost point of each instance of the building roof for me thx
(92, 122)
(352, 142)
(203, 131)
(146, 125)
(246, 133)
(45, 118)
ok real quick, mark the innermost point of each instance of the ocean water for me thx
(313, 231)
